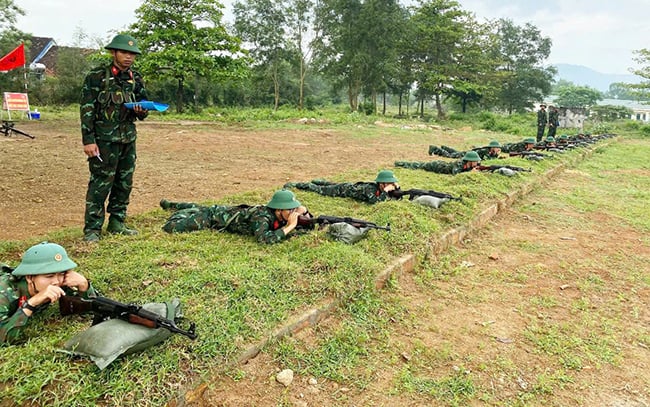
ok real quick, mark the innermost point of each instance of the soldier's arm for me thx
(264, 232)
(87, 110)
(140, 94)
(10, 323)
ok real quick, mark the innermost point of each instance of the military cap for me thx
(529, 140)
(564, 137)
(44, 258)
(494, 144)
(283, 199)
(550, 139)
(471, 156)
(542, 105)
(386, 177)
(124, 42)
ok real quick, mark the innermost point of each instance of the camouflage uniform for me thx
(514, 147)
(13, 294)
(361, 191)
(448, 152)
(553, 122)
(106, 122)
(441, 167)
(542, 119)
(259, 221)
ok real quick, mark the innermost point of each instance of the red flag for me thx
(14, 59)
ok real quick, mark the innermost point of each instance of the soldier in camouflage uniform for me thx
(109, 135)
(542, 119)
(553, 121)
(492, 150)
(469, 161)
(269, 224)
(43, 276)
(369, 192)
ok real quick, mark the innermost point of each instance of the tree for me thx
(642, 90)
(522, 51)
(185, 39)
(261, 24)
(620, 90)
(299, 18)
(577, 96)
(9, 13)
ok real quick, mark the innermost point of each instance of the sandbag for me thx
(506, 171)
(431, 201)
(346, 233)
(106, 341)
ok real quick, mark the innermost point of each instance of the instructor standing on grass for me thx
(108, 133)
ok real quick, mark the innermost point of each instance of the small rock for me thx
(493, 256)
(313, 381)
(564, 286)
(406, 356)
(467, 264)
(522, 383)
(285, 377)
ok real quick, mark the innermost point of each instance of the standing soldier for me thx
(108, 134)
(542, 119)
(553, 121)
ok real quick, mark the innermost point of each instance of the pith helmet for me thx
(494, 144)
(471, 156)
(550, 139)
(283, 199)
(44, 258)
(529, 140)
(125, 43)
(564, 137)
(385, 177)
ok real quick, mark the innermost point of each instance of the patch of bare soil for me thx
(479, 317)
(43, 181)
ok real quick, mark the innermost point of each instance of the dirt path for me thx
(43, 182)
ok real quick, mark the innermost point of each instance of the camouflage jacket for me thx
(103, 114)
(513, 147)
(542, 118)
(484, 153)
(361, 191)
(553, 118)
(440, 167)
(259, 221)
(13, 294)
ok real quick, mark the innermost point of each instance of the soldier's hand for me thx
(390, 187)
(51, 294)
(91, 150)
(73, 279)
(137, 108)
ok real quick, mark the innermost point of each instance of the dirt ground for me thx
(43, 181)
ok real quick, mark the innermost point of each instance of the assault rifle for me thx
(498, 167)
(528, 154)
(414, 193)
(322, 220)
(8, 128)
(105, 308)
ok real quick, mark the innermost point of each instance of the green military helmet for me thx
(44, 258)
(564, 137)
(494, 144)
(529, 140)
(550, 139)
(124, 42)
(283, 199)
(385, 177)
(471, 156)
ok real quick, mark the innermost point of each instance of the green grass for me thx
(237, 291)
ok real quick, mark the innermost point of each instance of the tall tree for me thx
(642, 90)
(185, 39)
(577, 96)
(261, 25)
(522, 52)
(9, 13)
(299, 19)
(439, 33)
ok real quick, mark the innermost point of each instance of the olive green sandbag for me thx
(346, 233)
(108, 340)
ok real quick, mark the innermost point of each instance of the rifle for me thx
(498, 167)
(322, 220)
(414, 193)
(528, 153)
(8, 128)
(105, 308)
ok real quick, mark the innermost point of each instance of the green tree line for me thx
(305, 53)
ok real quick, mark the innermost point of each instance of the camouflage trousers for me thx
(111, 178)
(540, 132)
(444, 151)
(191, 217)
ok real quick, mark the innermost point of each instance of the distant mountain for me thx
(583, 76)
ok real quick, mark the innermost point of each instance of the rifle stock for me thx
(104, 308)
(498, 167)
(414, 193)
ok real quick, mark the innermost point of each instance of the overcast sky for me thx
(599, 34)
